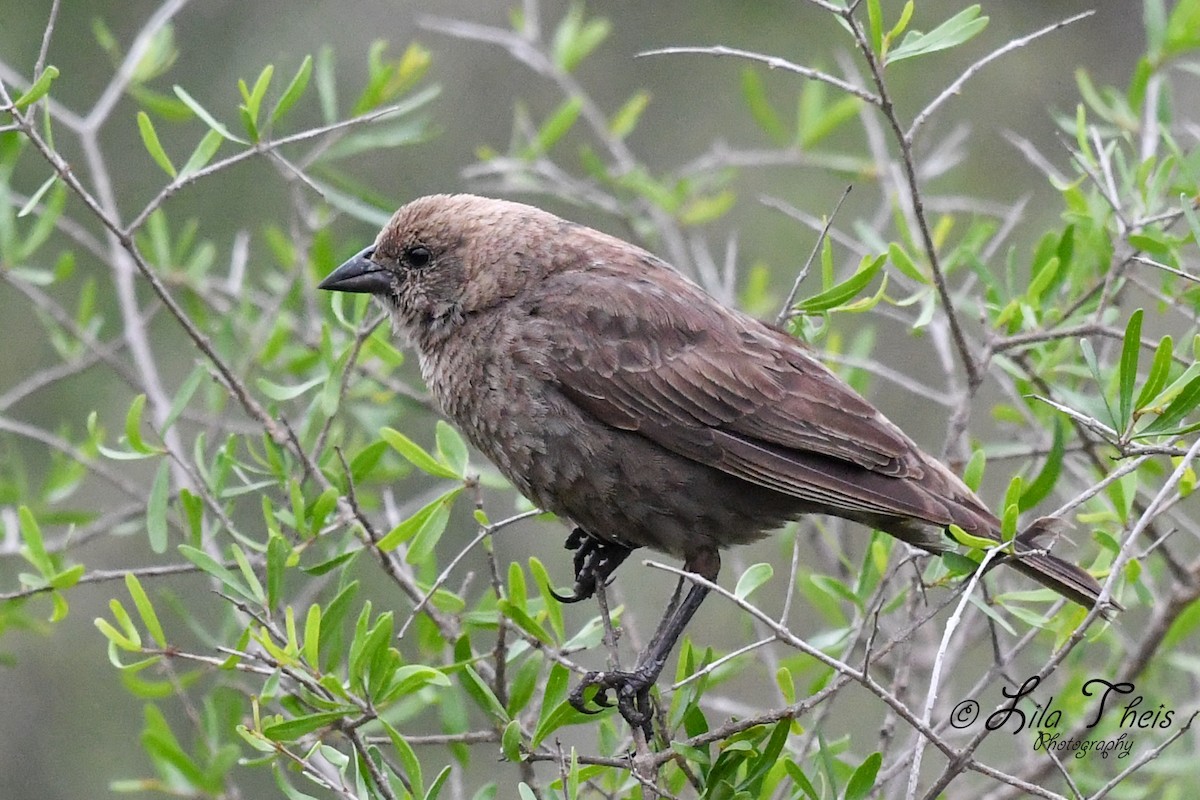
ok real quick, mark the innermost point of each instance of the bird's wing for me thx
(657, 356)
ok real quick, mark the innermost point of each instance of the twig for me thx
(955, 87)
(772, 62)
(786, 311)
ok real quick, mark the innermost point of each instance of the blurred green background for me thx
(65, 722)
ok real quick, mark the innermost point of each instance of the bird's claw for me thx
(595, 560)
(630, 694)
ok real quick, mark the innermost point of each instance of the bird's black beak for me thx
(360, 274)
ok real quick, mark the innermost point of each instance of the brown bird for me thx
(614, 392)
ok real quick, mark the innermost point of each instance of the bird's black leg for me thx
(631, 689)
(595, 561)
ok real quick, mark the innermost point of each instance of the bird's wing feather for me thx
(661, 358)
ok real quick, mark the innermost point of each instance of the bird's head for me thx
(443, 257)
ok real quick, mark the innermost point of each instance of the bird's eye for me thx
(418, 256)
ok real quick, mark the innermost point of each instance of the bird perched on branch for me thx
(614, 392)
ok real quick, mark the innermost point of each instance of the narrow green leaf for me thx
(863, 779)
(207, 147)
(1089, 357)
(282, 393)
(973, 473)
(312, 637)
(415, 454)
(145, 609)
(431, 529)
(1174, 413)
(903, 261)
(156, 508)
(34, 550)
(292, 729)
(510, 742)
(451, 448)
(845, 291)
(1160, 369)
(754, 577)
(1183, 28)
(294, 91)
(133, 426)
(36, 197)
(626, 119)
(875, 26)
(216, 569)
(969, 539)
(255, 97)
(207, 118)
(153, 145)
(1041, 486)
(557, 126)
(1127, 371)
(408, 759)
(960, 28)
(184, 396)
(482, 694)
(39, 89)
(754, 92)
(436, 510)
(527, 623)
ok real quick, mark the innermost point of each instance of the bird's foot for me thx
(630, 693)
(595, 561)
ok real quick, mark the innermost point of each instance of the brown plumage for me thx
(614, 392)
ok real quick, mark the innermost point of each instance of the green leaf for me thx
(1174, 413)
(156, 508)
(800, 779)
(1160, 369)
(575, 39)
(207, 147)
(430, 530)
(34, 550)
(482, 694)
(36, 197)
(1041, 486)
(253, 100)
(190, 384)
(754, 92)
(282, 393)
(145, 609)
(963, 26)
(133, 426)
(1127, 373)
(1089, 357)
(969, 539)
(863, 779)
(510, 741)
(39, 89)
(436, 510)
(754, 577)
(208, 564)
(292, 729)
(451, 448)
(153, 145)
(556, 127)
(875, 26)
(626, 118)
(845, 291)
(207, 118)
(1183, 28)
(527, 623)
(294, 91)
(415, 454)
(973, 473)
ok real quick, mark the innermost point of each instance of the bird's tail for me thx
(1068, 580)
